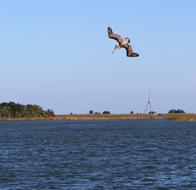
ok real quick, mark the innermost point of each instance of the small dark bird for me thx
(125, 43)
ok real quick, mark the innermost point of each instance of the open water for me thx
(115, 154)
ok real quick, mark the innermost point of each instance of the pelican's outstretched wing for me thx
(114, 36)
(129, 51)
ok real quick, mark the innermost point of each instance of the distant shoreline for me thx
(176, 117)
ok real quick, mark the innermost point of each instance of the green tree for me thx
(5, 111)
(176, 111)
(91, 112)
(106, 112)
(12, 109)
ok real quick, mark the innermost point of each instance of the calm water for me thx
(135, 154)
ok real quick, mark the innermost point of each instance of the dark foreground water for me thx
(135, 154)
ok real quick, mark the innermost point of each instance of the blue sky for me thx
(57, 54)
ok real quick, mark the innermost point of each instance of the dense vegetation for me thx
(106, 112)
(13, 110)
(176, 111)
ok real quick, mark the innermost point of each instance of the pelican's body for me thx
(122, 43)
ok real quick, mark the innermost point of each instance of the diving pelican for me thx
(125, 43)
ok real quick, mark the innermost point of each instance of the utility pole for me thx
(148, 108)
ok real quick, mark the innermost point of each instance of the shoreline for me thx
(175, 117)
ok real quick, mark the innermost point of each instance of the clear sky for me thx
(56, 53)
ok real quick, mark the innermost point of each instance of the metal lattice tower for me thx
(148, 108)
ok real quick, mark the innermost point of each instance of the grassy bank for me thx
(181, 117)
(177, 117)
(104, 116)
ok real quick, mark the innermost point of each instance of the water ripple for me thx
(135, 154)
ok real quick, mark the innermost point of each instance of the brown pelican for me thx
(125, 43)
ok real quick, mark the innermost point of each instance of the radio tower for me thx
(148, 109)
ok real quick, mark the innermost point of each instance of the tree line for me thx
(176, 111)
(151, 112)
(13, 110)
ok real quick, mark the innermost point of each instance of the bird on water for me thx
(122, 43)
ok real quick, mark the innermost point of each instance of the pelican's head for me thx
(128, 40)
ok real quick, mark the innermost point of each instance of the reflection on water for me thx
(122, 154)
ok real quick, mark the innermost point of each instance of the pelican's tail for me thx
(134, 54)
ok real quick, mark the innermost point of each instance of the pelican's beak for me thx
(114, 49)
